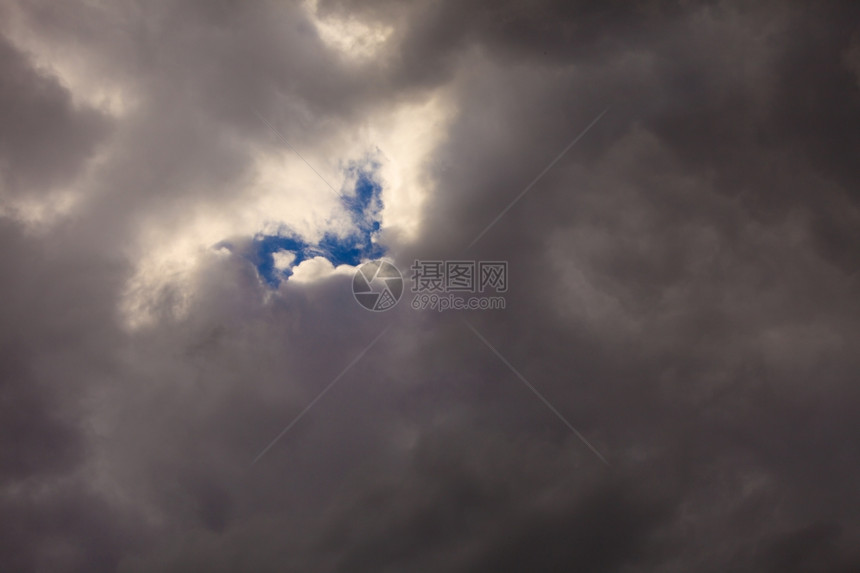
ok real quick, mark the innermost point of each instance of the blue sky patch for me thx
(363, 203)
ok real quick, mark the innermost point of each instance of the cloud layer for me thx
(683, 286)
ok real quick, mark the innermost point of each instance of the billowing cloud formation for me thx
(276, 255)
(185, 187)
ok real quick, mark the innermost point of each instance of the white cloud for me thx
(283, 259)
(350, 37)
(284, 194)
(317, 268)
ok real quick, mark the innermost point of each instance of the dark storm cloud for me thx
(683, 289)
(56, 337)
(47, 325)
(705, 258)
(44, 138)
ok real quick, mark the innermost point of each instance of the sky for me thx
(188, 189)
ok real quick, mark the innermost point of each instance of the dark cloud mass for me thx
(683, 286)
(44, 138)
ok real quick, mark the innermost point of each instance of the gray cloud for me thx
(45, 139)
(683, 290)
